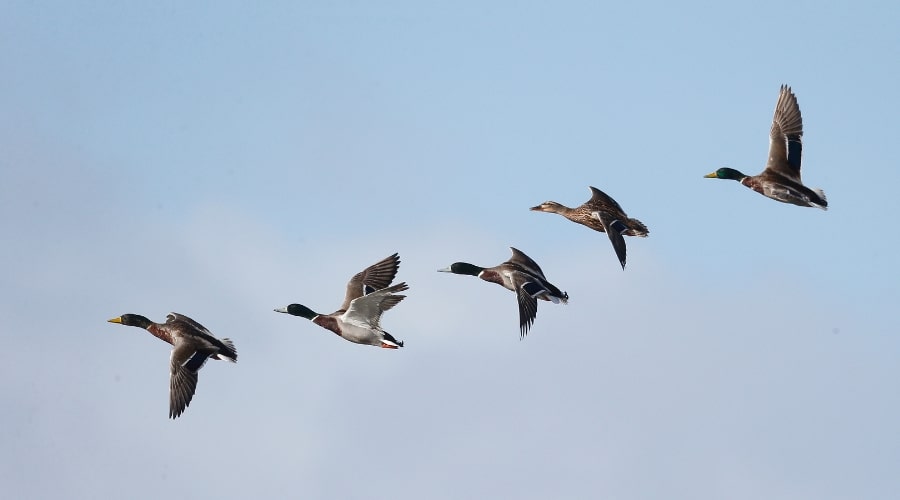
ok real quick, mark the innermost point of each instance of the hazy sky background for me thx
(225, 158)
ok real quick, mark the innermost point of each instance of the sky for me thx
(222, 159)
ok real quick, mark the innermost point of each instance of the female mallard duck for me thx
(781, 178)
(521, 275)
(192, 345)
(368, 297)
(600, 213)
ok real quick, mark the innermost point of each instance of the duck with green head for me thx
(781, 178)
(192, 345)
(521, 275)
(368, 297)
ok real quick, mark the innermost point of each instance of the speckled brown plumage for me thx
(600, 213)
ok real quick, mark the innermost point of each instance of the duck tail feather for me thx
(821, 194)
(389, 339)
(230, 353)
(637, 228)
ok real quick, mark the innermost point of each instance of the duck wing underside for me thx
(375, 277)
(367, 309)
(786, 136)
(615, 229)
(527, 310)
(185, 362)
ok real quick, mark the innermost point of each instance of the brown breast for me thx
(160, 332)
(328, 322)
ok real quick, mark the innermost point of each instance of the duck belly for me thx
(360, 334)
(786, 194)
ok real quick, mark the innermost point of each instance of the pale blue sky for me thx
(226, 158)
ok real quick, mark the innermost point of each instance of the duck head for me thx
(726, 173)
(298, 310)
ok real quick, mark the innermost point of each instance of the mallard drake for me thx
(521, 275)
(368, 297)
(781, 178)
(193, 345)
(600, 213)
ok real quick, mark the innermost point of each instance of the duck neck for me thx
(136, 320)
(732, 174)
(159, 332)
(559, 208)
(302, 311)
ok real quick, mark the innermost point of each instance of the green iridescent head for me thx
(726, 173)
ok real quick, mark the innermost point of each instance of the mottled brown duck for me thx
(600, 213)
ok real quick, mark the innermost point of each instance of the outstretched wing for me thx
(374, 277)
(615, 229)
(367, 309)
(785, 136)
(525, 262)
(174, 317)
(527, 309)
(601, 200)
(185, 362)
